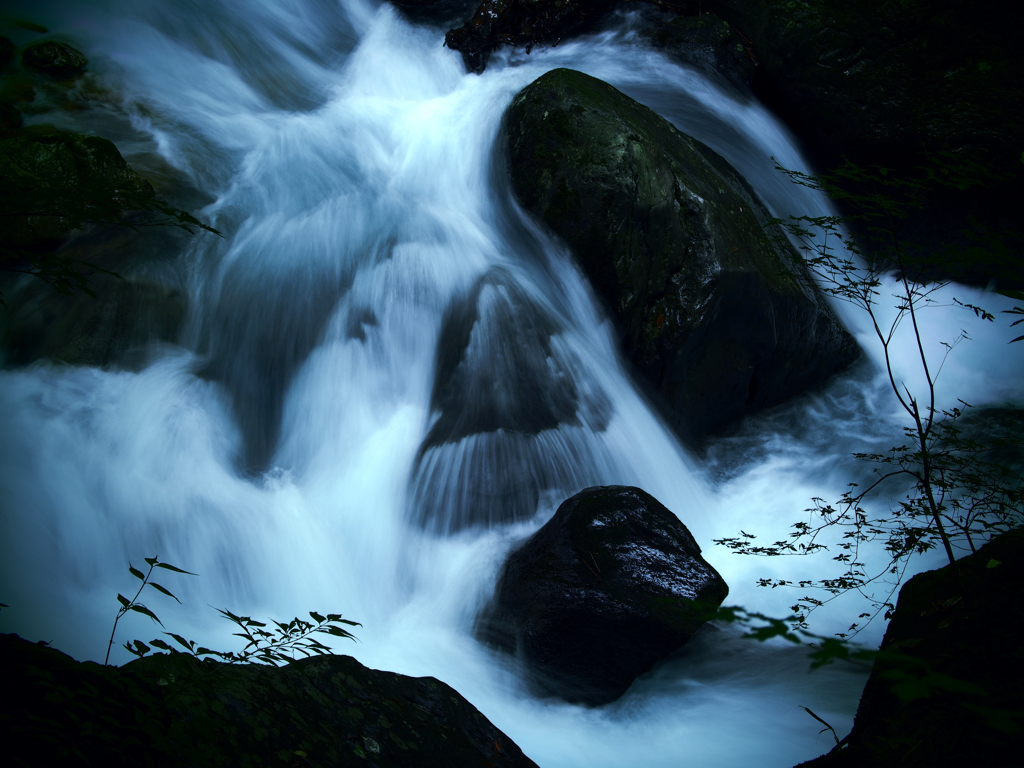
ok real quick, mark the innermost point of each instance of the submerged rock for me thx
(611, 585)
(112, 328)
(948, 692)
(505, 395)
(176, 711)
(55, 59)
(715, 309)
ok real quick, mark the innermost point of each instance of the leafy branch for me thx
(275, 646)
(957, 494)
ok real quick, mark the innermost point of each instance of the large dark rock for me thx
(611, 584)
(56, 181)
(952, 694)
(714, 309)
(54, 58)
(176, 711)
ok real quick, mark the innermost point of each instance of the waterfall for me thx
(315, 443)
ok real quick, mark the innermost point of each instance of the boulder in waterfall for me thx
(611, 585)
(54, 58)
(169, 711)
(715, 308)
(61, 181)
(51, 177)
(508, 396)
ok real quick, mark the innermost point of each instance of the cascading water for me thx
(325, 436)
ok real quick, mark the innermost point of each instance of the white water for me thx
(356, 172)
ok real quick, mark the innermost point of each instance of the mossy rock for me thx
(54, 58)
(176, 711)
(714, 307)
(50, 177)
(948, 693)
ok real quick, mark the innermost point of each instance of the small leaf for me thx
(993, 563)
(180, 640)
(145, 611)
(136, 573)
(163, 589)
(317, 617)
(123, 600)
(174, 568)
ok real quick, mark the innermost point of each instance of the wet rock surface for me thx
(612, 584)
(505, 392)
(54, 58)
(715, 311)
(173, 711)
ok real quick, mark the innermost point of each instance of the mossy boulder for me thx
(945, 689)
(54, 58)
(608, 587)
(176, 711)
(55, 185)
(54, 180)
(715, 309)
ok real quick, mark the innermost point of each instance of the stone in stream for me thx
(611, 585)
(54, 58)
(715, 309)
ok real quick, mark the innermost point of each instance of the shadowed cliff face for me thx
(714, 308)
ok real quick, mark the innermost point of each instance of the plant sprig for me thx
(275, 646)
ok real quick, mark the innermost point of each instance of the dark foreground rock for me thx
(952, 695)
(611, 585)
(175, 711)
(714, 310)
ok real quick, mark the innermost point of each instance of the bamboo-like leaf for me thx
(164, 590)
(136, 572)
(123, 600)
(174, 568)
(146, 612)
(188, 645)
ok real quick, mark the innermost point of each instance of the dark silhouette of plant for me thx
(957, 494)
(275, 646)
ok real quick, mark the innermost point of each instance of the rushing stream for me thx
(279, 452)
